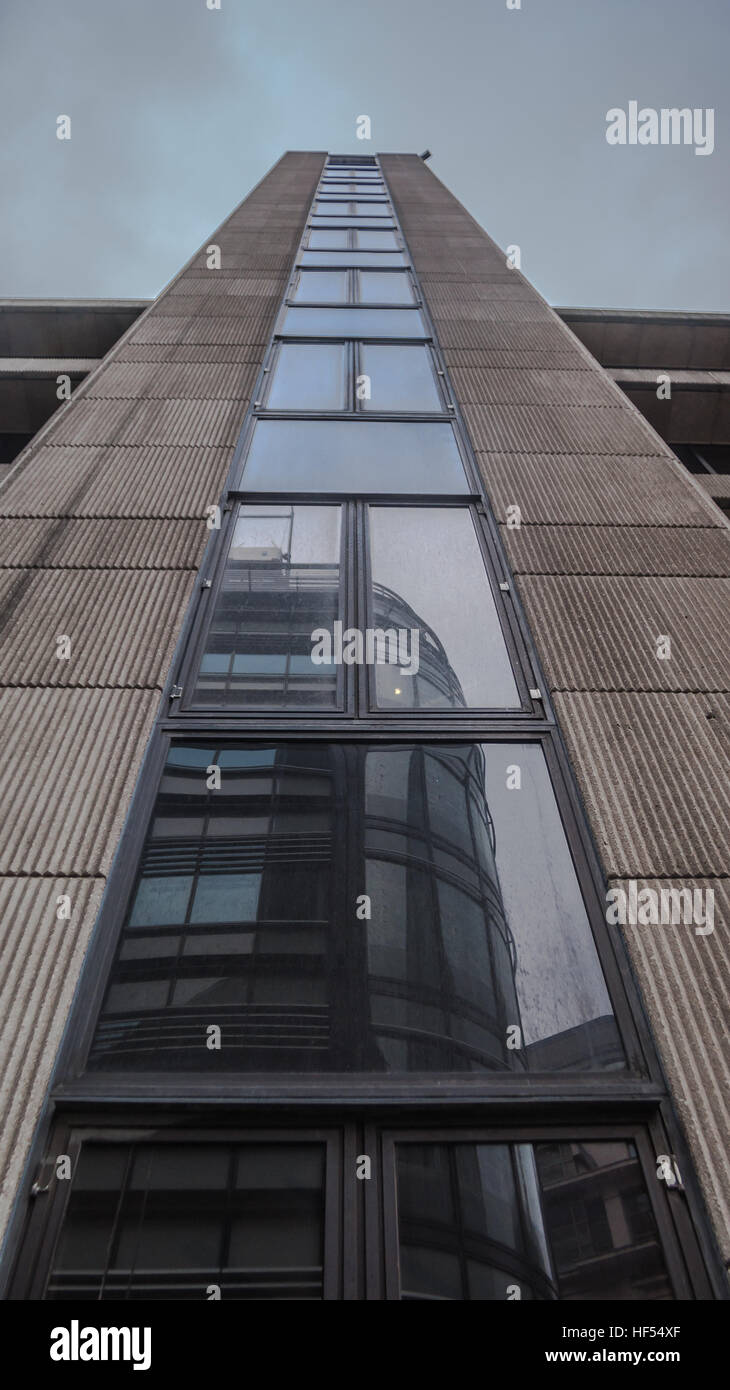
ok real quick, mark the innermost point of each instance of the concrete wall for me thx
(102, 529)
(618, 544)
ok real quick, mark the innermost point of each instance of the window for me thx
(321, 219)
(401, 378)
(242, 917)
(342, 286)
(343, 456)
(482, 1221)
(332, 240)
(390, 287)
(167, 1220)
(309, 376)
(360, 876)
(372, 259)
(323, 286)
(281, 581)
(341, 188)
(376, 241)
(462, 664)
(353, 323)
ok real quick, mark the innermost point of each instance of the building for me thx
(311, 984)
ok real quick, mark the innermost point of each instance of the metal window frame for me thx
(33, 1270)
(353, 294)
(561, 1107)
(360, 1217)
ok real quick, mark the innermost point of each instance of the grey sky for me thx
(178, 110)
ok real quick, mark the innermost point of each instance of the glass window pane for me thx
(309, 376)
(320, 220)
(332, 240)
(392, 287)
(477, 924)
(401, 378)
(282, 581)
(322, 286)
(374, 207)
(569, 1230)
(332, 208)
(164, 1221)
(376, 241)
(341, 187)
(377, 260)
(353, 323)
(453, 665)
(353, 456)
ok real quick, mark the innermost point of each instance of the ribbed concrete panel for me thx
(525, 386)
(162, 482)
(655, 775)
(121, 626)
(716, 484)
(236, 354)
(517, 337)
(602, 633)
(177, 380)
(685, 978)
(149, 422)
(254, 326)
(449, 306)
(72, 757)
(61, 543)
(249, 313)
(599, 501)
(40, 960)
(603, 490)
(505, 360)
(560, 429)
(616, 550)
(233, 287)
(103, 525)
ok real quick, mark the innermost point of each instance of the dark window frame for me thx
(563, 1111)
(360, 1218)
(636, 1081)
(353, 369)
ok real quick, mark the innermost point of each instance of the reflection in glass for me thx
(462, 664)
(391, 287)
(354, 322)
(164, 1221)
(376, 241)
(401, 378)
(322, 287)
(281, 581)
(566, 1220)
(309, 376)
(353, 456)
(376, 260)
(333, 240)
(477, 931)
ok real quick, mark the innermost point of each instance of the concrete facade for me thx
(102, 531)
(600, 494)
(103, 523)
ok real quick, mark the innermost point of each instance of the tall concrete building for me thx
(364, 864)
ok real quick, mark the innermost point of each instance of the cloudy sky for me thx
(177, 110)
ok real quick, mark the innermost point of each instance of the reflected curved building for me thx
(240, 919)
